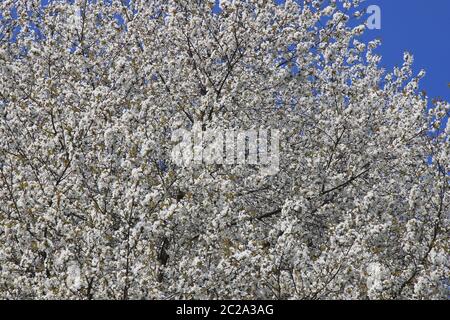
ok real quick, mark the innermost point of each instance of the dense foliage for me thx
(93, 206)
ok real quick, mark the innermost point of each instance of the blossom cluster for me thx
(92, 206)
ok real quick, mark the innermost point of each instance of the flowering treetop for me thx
(93, 206)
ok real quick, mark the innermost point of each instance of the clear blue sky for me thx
(421, 27)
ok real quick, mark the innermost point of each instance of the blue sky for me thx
(422, 28)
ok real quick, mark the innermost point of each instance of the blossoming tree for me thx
(92, 205)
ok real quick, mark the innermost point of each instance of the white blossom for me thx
(92, 206)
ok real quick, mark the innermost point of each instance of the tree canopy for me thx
(92, 206)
